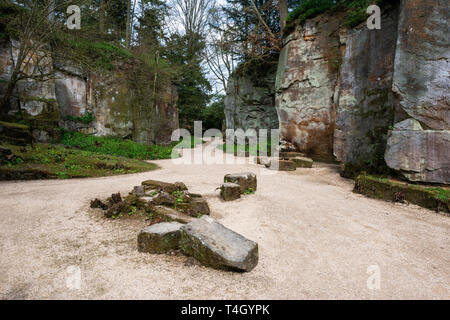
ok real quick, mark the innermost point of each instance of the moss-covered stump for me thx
(218, 247)
(160, 238)
(434, 198)
(15, 133)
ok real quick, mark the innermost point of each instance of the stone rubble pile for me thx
(180, 221)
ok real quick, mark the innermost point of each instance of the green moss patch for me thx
(44, 161)
(435, 198)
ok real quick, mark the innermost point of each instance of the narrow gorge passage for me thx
(316, 240)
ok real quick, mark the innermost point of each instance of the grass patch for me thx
(86, 119)
(45, 161)
(378, 187)
(356, 10)
(123, 147)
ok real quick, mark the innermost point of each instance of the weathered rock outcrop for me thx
(305, 85)
(365, 103)
(339, 91)
(250, 102)
(68, 93)
(420, 147)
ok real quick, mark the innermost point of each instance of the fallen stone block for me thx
(246, 180)
(195, 208)
(168, 214)
(160, 238)
(216, 246)
(159, 185)
(291, 154)
(230, 191)
(138, 191)
(281, 165)
(302, 162)
(164, 198)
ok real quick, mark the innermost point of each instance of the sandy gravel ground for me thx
(316, 240)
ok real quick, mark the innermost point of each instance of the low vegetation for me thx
(45, 161)
(123, 147)
(356, 9)
(378, 187)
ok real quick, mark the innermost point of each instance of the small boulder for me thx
(169, 214)
(281, 165)
(159, 238)
(230, 191)
(164, 198)
(196, 207)
(180, 186)
(302, 162)
(216, 246)
(159, 185)
(138, 191)
(245, 180)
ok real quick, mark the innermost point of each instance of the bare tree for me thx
(283, 9)
(35, 26)
(194, 15)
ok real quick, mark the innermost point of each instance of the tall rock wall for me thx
(419, 144)
(305, 85)
(120, 108)
(250, 102)
(371, 99)
(364, 101)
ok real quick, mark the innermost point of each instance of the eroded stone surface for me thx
(160, 238)
(302, 162)
(216, 246)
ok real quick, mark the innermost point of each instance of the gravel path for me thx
(316, 240)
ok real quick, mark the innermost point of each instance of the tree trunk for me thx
(102, 16)
(128, 29)
(283, 9)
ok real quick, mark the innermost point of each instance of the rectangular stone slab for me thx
(281, 165)
(159, 238)
(216, 246)
(246, 180)
(302, 162)
(159, 185)
(230, 191)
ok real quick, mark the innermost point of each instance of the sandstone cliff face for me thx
(119, 109)
(339, 91)
(250, 103)
(305, 85)
(422, 84)
(365, 103)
